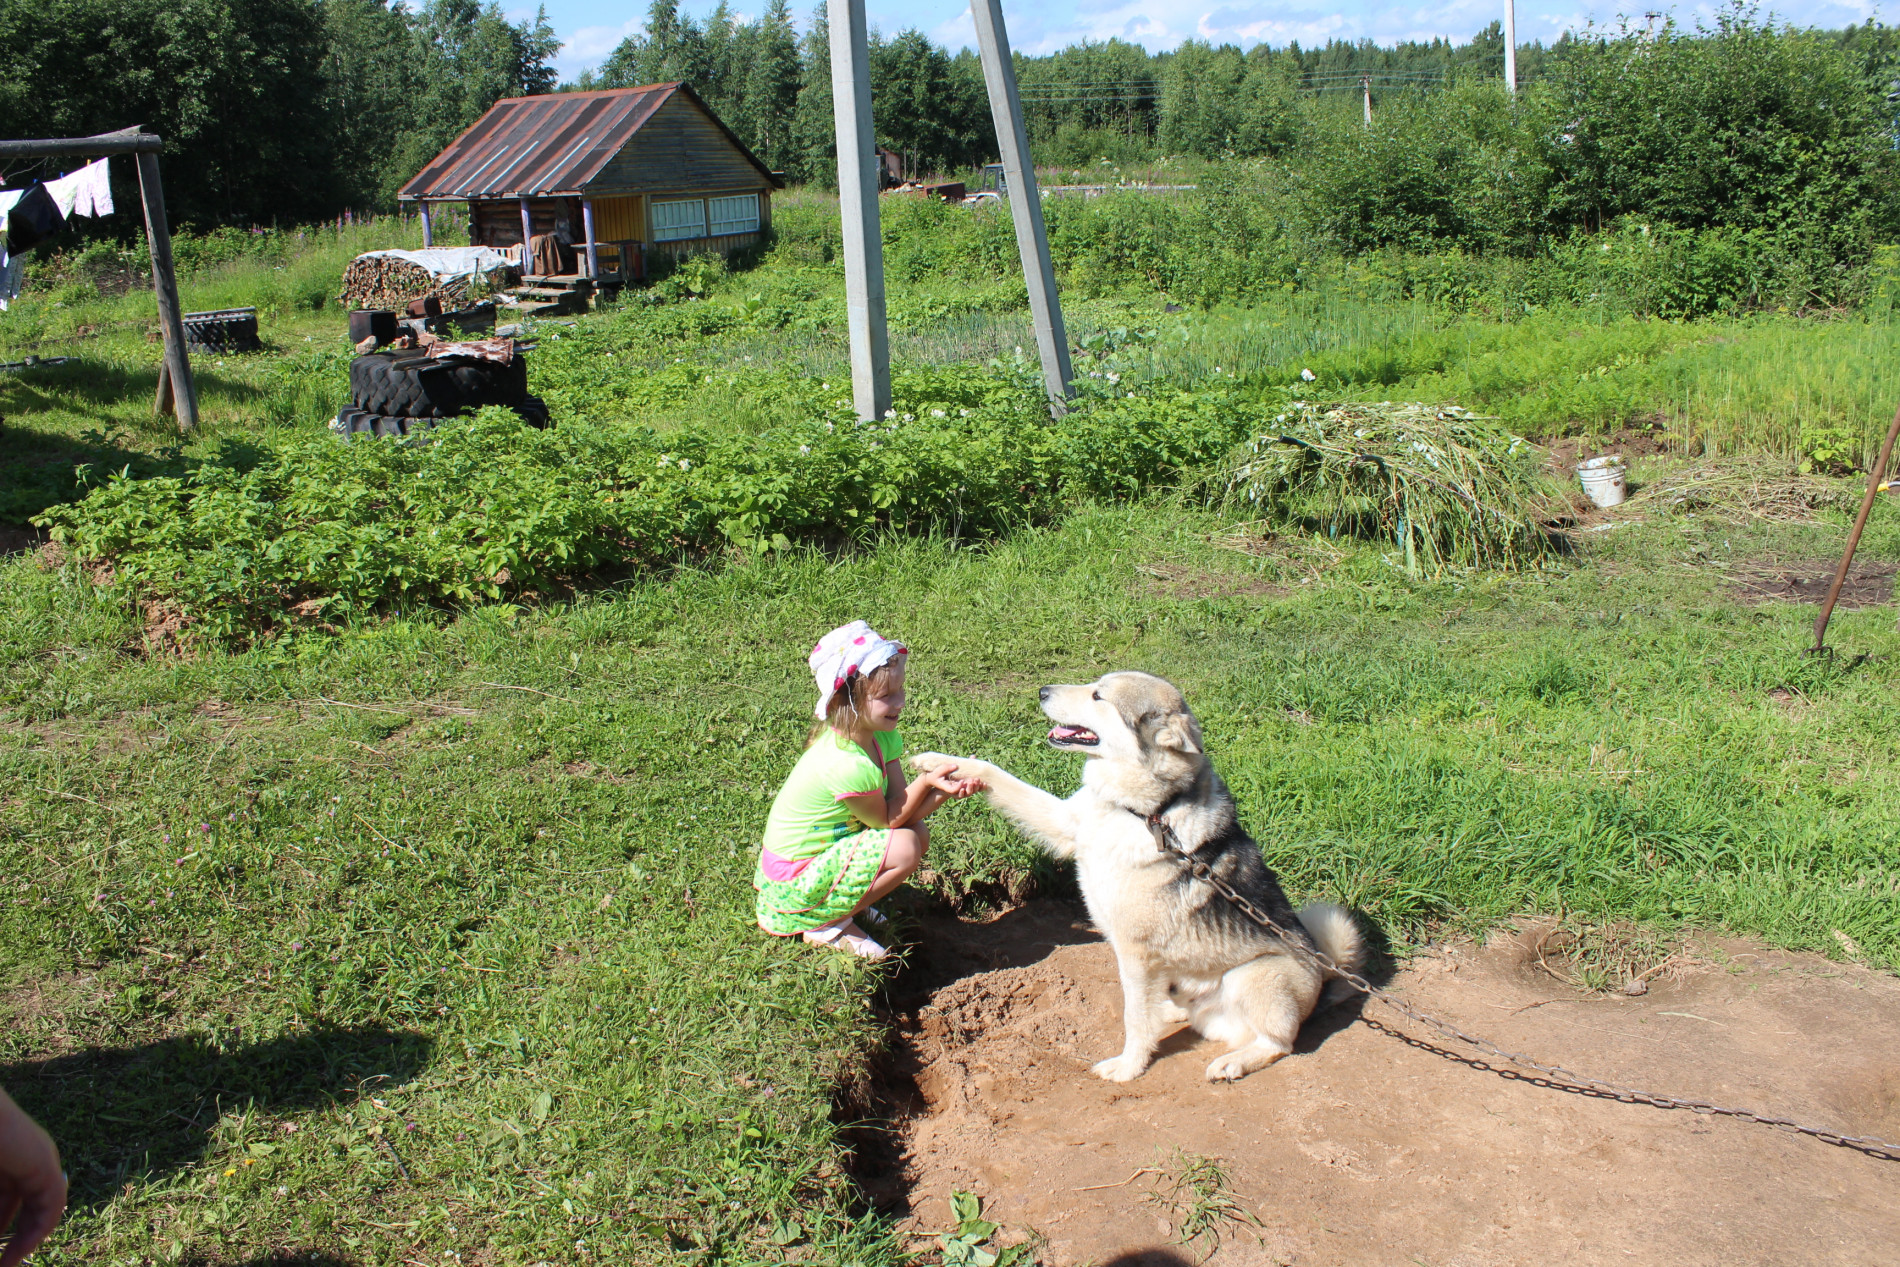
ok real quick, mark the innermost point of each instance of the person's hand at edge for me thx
(32, 1186)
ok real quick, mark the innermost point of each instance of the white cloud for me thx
(588, 47)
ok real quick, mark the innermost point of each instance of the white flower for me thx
(1113, 377)
(906, 417)
(685, 465)
(936, 413)
(890, 413)
(665, 460)
(824, 387)
(1308, 375)
(963, 413)
(804, 448)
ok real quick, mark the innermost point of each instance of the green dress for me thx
(817, 862)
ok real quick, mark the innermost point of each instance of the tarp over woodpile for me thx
(391, 279)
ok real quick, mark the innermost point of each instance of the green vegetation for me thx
(253, 880)
(380, 815)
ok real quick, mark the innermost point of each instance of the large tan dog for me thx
(1185, 952)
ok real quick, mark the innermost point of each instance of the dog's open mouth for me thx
(1074, 737)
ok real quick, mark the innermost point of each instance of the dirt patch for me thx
(15, 539)
(1368, 1145)
(1642, 440)
(1181, 581)
(1869, 583)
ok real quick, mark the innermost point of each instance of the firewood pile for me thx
(377, 281)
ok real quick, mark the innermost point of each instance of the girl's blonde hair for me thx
(847, 706)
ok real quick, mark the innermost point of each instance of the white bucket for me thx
(1603, 480)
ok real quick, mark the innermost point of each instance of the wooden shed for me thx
(615, 177)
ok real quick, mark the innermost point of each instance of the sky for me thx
(591, 28)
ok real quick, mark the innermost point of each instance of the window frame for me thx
(670, 233)
(750, 225)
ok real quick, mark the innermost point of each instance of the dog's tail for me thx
(1337, 934)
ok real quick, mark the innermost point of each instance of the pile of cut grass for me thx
(1448, 487)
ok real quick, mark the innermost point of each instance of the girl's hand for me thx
(945, 782)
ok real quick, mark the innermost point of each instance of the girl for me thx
(845, 830)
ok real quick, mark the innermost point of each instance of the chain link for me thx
(1554, 1075)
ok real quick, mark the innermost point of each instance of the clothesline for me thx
(86, 192)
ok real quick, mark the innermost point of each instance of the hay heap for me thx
(384, 281)
(1735, 490)
(1448, 487)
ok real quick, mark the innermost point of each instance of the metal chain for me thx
(1163, 834)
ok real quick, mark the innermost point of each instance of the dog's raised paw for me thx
(926, 762)
(1120, 1068)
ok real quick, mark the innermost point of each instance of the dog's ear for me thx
(1179, 732)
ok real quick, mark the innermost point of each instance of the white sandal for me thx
(846, 936)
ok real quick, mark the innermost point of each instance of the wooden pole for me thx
(428, 232)
(1365, 84)
(857, 205)
(165, 283)
(1510, 47)
(587, 227)
(1025, 199)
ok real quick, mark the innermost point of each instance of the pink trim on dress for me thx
(779, 869)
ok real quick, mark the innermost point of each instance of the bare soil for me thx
(1373, 1145)
(1868, 584)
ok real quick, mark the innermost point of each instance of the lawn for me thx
(428, 937)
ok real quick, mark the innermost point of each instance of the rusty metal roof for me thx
(550, 144)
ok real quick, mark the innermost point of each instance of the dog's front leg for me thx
(1044, 818)
(1144, 996)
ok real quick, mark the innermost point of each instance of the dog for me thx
(1185, 953)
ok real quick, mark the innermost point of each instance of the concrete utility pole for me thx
(1025, 200)
(1510, 46)
(1365, 86)
(857, 207)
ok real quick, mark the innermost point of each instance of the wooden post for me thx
(857, 206)
(1365, 86)
(593, 251)
(527, 231)
(165, 283)
(1025, 199)
(1510, 47)
(428, 234)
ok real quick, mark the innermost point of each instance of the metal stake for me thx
(1874, 477)
(1025, 200)
(857, 207)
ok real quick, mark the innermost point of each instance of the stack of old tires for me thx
(399, 393)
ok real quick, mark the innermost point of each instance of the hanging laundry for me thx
(34, 218)
(86, 192)
(9, 278)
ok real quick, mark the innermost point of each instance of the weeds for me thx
(1193, 1190)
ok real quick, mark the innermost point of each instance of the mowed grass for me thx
(433, 939)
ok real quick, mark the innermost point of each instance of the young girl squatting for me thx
(845, 829)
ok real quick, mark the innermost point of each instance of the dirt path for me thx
(1362, 1148)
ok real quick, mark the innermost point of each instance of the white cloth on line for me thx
(86, 192)
(7, 198)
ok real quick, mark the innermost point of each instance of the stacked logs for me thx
(380, 281)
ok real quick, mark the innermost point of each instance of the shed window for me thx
(675, 220)
(737, 214)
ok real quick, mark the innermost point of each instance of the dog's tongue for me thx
(1067, 732)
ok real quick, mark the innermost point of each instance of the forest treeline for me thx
(282, 111)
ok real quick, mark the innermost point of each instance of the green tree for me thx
(226, 82)
(1742, 126)
(814, 140)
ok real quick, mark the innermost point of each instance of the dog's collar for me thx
(1165, 839)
